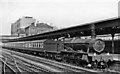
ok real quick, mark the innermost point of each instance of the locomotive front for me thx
(96, 46)
(99, 58)
(99, 45)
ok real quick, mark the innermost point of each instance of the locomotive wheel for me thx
(83, 63)
(72, 61)
(77, 62)
(106, 65)
(64, 60)
(67, 60)
(34, 53)
(95, 65)
(58, 57)
(102, 65)
(109, 63)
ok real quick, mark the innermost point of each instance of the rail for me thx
(65, 66)
(6, 65)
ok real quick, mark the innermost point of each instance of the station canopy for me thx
(108, 26)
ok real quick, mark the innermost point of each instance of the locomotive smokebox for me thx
(96, 45)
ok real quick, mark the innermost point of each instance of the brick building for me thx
(38, 28)
(18, 28)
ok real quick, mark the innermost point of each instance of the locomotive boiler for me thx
(86, 45)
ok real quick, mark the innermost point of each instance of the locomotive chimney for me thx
(93, 34)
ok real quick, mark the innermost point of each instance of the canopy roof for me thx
(109, 26)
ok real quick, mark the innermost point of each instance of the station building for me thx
(27, 26)
(18, 27)
(38, 28)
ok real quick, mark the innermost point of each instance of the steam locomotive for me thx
(84, 52)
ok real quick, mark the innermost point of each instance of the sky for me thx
(60, 13)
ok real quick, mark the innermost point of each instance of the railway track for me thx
(38, 66)
(21, 66)
(6, 68)
(60, 66)
(63, 67)
(12, 63)
(24, 68)
(72, 68)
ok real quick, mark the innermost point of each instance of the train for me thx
(91, 53)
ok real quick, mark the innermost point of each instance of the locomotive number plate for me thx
(99, 45)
